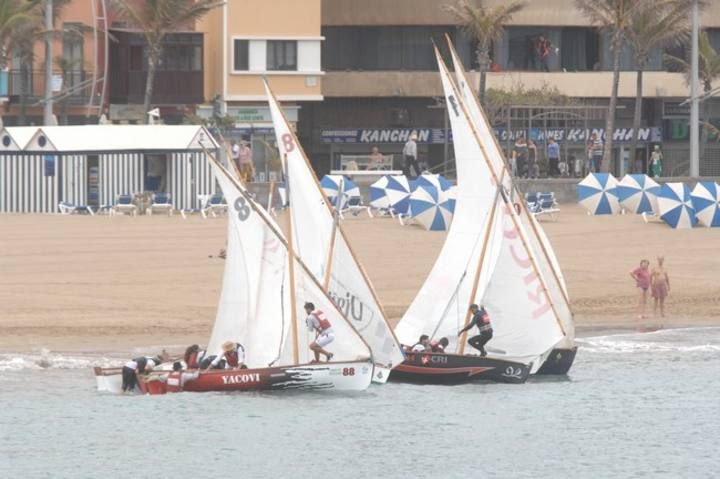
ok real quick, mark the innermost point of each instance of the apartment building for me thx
(381, 81)
(247, 40)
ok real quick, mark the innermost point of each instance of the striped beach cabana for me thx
(92, 164)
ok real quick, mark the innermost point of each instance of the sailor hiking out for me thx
(324, 334)
(481, 319)
(137, 366)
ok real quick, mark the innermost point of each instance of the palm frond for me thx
(482, 23)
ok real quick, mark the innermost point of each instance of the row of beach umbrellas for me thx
(674, 203)
(429, 200)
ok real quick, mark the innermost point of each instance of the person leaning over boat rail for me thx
(232, 356)
(137, 366)
(481, 319)
(324, 334)
(194, 356)
(439, 345)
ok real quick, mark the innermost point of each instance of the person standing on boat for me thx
(324, 334)
(232, 356)
(481, 319)
(137, 366)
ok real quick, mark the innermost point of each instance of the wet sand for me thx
(78, 283)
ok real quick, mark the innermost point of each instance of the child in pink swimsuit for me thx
(641, 275)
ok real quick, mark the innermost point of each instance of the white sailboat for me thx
(320, 241)
(485, 260)
(265, 286)
(560, 360)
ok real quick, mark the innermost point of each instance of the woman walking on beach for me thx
(641, 275)
(660, 284)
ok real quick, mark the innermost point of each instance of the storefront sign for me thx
(673, 109)
(437, 135)
(579, 135)
(382, 135)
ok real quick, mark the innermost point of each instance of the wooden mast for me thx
(476, 279)
(331, 249)
(291, 273)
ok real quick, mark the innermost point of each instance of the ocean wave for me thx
(663, 340)
(45, 359)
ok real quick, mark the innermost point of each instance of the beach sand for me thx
(120, 284)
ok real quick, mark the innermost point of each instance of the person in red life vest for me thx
(232, 356)
(193, 356)
(324, 334)
(175, 380)
(481, 319)
(439, 345)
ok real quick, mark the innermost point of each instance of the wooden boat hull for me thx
(337, 376)
(440, 368)
(558, 362)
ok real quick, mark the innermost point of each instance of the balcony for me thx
(574, 84)
(28, 86)
(169, 88)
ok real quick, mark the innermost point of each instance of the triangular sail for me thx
(322, 245)
(503, 266)
(256, 295)
(441, 304)
(538, 242)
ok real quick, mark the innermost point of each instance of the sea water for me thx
(634, 405)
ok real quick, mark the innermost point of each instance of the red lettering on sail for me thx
(525, 263)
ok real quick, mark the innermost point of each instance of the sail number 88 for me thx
(348, 372)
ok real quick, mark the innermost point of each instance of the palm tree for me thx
(613, 16)
(155, 19)
(485, 25)
(14, 16)
(655, 25)
(709, 71)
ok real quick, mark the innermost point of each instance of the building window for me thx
(281, 55)
(241, 56)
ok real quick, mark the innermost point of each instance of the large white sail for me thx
(322, 245)
(441, 305)
(256, 299)
(538, 242)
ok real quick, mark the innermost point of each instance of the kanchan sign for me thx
(436, 136)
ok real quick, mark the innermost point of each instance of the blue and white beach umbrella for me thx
(428, 206)
(331, 185)
(438, 181)
(637, 193)
(449, 202)
(675, 205)
(597, 192)
(706, 201)
(397, 191)
(378, 198)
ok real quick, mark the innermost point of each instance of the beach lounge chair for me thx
(215, 206)
(355, 205)
(66, 208)
(546, 204)
(160, 201)
(124, 204)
